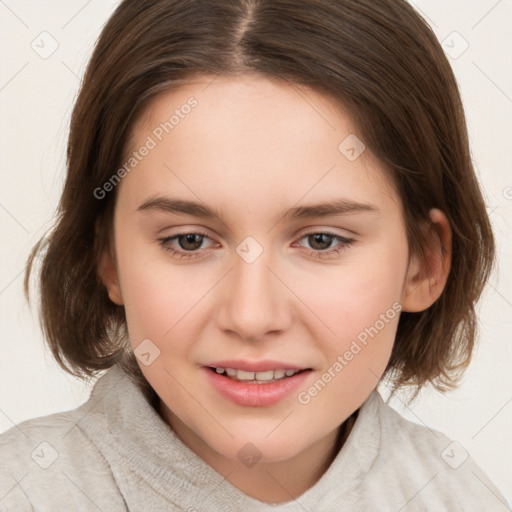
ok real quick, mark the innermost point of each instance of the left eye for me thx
(323, 241)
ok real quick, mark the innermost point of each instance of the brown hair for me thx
(378, 59)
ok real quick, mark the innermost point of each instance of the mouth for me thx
(256, 377)
(261, 384)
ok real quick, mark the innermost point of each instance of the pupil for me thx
(191, 239)
(318, 238)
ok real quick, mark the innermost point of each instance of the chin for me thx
(248, 447)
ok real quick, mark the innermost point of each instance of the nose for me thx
(255, 302)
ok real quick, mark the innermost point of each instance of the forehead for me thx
(252, 135)
(225, 91)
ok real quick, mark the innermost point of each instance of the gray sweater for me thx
(114, 453)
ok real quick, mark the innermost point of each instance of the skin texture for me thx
(252, 148)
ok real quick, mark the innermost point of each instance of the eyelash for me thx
(345, 244)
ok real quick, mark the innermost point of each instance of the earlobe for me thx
(426, 280)
(108, 275)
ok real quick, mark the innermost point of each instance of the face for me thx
(253, 238)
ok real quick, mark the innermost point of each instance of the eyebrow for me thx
(332, 208)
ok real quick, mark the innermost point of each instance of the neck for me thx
(275, 482)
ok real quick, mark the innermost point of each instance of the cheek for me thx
(157, 295)
(361, 308)
(364, 317)
(354, 295)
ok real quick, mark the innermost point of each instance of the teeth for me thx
(279, 374)
(266, 376)
(241, 375)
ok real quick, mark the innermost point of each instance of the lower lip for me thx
(256, 395)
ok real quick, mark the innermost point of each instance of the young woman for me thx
(269, 207)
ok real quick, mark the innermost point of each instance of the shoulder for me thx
(426, 470)
(48, 463)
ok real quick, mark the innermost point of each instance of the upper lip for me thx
(255, 366)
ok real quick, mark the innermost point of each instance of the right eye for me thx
(189, 244)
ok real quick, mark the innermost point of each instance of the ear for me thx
(108, 274)
(425, 283)
(107, 268)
